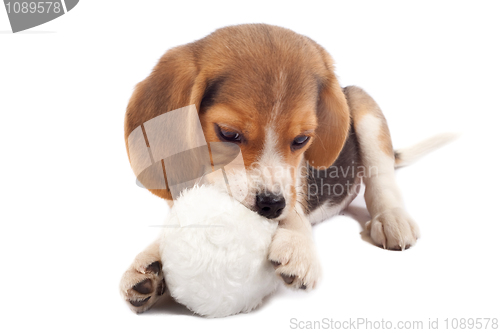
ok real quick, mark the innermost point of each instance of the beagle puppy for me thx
(306, 143)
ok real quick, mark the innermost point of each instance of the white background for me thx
(72, 218)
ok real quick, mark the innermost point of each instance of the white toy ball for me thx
(214, 253)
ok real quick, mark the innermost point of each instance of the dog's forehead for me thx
(252, 113)
(260, 77)
(266, 95)
(261, 65)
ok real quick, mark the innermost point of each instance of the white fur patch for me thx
(270, 173)
(327, 210)
(391, 226)
(412, 154)
(214, 253)
(382, 192)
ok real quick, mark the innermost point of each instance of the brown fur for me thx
(232, 77)
(362, 104)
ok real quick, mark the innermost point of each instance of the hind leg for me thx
(391, 227)
(143, 283)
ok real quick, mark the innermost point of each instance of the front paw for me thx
(393, 229)
(142, 286)
(294, 258)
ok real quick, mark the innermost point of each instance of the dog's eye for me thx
(228, 135)
(299, 142)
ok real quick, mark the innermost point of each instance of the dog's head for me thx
(268, 90)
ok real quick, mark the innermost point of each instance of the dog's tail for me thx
(409, 155)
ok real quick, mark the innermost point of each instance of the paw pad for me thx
(144, 287)
(154, 268)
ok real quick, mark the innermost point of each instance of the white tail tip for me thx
(407, 156)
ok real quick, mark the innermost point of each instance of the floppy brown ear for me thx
(333, 124)
(174, 83)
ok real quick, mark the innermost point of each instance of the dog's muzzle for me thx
(270, 205)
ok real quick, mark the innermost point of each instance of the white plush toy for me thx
(214, 253)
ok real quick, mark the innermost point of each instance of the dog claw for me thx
(287, 278)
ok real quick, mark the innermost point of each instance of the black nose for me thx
(270, 205)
